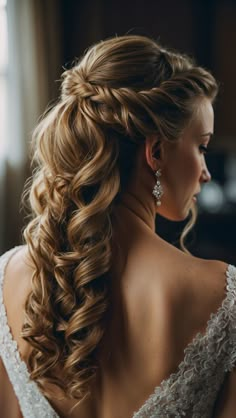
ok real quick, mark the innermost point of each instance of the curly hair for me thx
(121, 90)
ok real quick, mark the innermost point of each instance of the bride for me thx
(99, 316)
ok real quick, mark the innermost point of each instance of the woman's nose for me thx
(206, 175)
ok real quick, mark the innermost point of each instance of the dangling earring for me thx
(158, 189)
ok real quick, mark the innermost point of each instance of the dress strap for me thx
(230, 311)
(32, 402)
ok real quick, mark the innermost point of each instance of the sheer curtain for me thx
(34, 64)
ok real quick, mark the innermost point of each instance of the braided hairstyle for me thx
(122, 90)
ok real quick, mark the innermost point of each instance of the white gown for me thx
(191, 391)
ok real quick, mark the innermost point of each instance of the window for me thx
(3, 74)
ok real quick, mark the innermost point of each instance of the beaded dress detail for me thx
(190, 392)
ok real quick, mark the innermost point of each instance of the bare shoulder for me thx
(17, 286)
(18, 274)
(178, 272)
(200, 292)
(209, 281)
(194, 287)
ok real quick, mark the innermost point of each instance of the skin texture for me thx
(183, 164)
(151, 298)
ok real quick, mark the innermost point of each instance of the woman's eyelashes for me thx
(203, 149)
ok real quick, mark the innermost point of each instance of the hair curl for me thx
(122, 90)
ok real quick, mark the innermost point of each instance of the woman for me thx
(111, 320)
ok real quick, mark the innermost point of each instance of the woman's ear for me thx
(154, 152)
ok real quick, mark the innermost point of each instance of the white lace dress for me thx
(190, 392)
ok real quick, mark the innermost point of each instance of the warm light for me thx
(3, 39)
(3, 75)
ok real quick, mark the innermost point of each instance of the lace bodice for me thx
(190, 392)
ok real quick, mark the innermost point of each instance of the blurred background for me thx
(38, 38)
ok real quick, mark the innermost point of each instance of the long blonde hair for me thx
(122, 90)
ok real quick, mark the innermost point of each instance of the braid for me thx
(137, 114)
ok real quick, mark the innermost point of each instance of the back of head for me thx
(129, 80)
(122, 90)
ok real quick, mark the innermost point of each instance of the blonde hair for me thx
(122, 90)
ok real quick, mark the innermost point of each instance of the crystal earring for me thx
(158, 189)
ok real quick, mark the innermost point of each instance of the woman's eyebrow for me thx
(210, 134)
